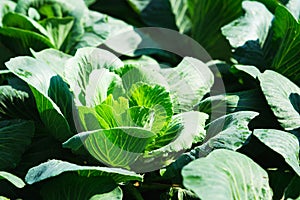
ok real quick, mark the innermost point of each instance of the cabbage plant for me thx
(79, 122)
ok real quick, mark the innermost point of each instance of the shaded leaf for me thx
(74, 186)
(248, 100)
(19, 41)
(287, 32)
(207, 24)
(292, 191)
(16, 104)
(43, 147)
(155, 13)
(279, 180)
(20, 21)
(251, 53)
(15, 137)
(123, 11)
(5, 55)
(181, 194)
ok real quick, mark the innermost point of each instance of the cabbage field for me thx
(149, 99)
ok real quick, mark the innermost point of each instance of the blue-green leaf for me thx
(189, 82)
(224, 175)
(52, 95)
(54, 59)
(283, 97)
(54, 168)
(91, 87)
(283, 143)
(254, 25)
(227, 132)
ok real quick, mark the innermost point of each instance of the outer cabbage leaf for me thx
(283, 143)
(182, 16)
(15, 137)
(116, 194)
(54, 58)
(19, 41)
(287, 34)
(52, 95)
(72, 186)
(108, 32)
(54, 168)
(207, 22)
(283, 97)
(6, 6)
(16, 104)
(59, 8)
(257, 19)
(145, 61)
(155, 13)
(227, 132)
(225, 174)
(21, 21)
(99, 27)
(294, 8)
(16, 181)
